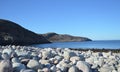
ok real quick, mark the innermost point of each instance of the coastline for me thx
(106, 44)
(97, 49)
(34, 59)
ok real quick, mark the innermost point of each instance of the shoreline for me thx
(116, 50)
(97, 49)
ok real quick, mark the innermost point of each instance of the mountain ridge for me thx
(54, 37)
(14, 34)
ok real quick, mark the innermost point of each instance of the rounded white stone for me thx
(6, 66)
(18, 66)
(83, 66)
(73, 69)
(34, 64)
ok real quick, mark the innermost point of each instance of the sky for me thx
(95, 19)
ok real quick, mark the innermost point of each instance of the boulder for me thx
(90, 60)
(63, 66)
(68, 54)
(9, 51)
(5, 56)
(17, 67)
(15, 60)
(25, 61)
(106, 69)
(46, 70)
(34, 64)
(46, 54)
(22, 53)
(73, 69)
(44, 61)
(59, 58)
(118, 69)
(83, 66)
(53, 68)
(74, 59)
(6, 66)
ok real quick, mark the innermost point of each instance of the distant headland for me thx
(54, 37)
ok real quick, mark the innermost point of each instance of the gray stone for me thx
(74, 59)
(68, 54)
(83, 66)
(101, 62)
(73, 69)
(46, 70)
(59, 58)
(9, 51)
(22, 52)
(34, 64)
(94, 66)
(53, 68)
(34, 54)
(27, 70)
(118, 69)
(114, 71)
(105, 69)
(56, 61)
(18, 66)
(63, 66)
(6, 66)
(25, 61)
(39, 70)
(90, 60)
(42, 61)
(15, 60)
(5, 56)
(46, 54)
(14, 54)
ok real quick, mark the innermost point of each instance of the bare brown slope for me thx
(54, 37)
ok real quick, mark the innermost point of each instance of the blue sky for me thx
(95, 19)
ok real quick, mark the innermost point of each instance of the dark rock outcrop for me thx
(12, 33)
(54, 37)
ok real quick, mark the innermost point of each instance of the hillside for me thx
(54, 37)
(12, 33)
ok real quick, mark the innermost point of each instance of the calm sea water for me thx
(108, 44)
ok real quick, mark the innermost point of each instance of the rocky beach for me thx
(32, 59)
(59, 36)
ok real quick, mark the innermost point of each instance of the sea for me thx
(97, 44)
